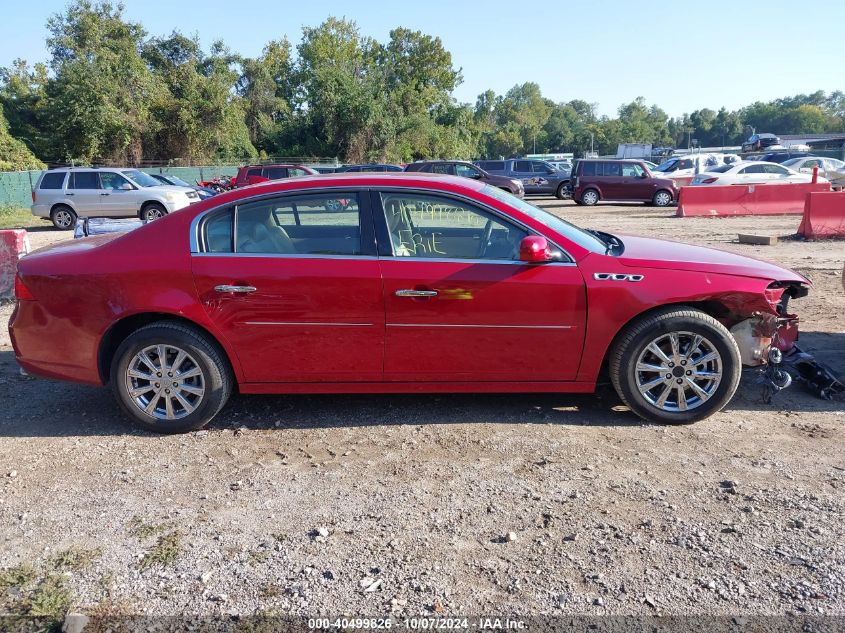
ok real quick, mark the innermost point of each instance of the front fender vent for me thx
(617, 277)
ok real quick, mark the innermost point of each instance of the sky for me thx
(682, 55)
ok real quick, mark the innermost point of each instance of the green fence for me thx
(16, 186)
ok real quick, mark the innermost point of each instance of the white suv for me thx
(63, 195)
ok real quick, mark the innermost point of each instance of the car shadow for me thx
(45, 408)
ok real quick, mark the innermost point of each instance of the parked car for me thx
(754, 172)
(468, 170)
(65, 194)
(537, 176)
(417, 284)
(832, 169)
(757, 142)
(377, 167)
(252, 174)
(618, 181)
(780, 156)
(681, 169)
(167, 179)
(561, 165)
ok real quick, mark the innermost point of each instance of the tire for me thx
(662, 198)
(717, 378)
(562, 192)
(213, 381)
(590, 197)
(153, 211)
(63, 217)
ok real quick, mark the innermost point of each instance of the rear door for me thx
(522, 170)
(83, 188)
(611, 180)
(461, 307)
(293, 283)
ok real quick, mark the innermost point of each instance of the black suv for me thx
(468, 170)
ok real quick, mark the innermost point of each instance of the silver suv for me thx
(63, 195)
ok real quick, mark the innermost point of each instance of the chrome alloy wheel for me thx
(590, 197)
(678, 371)
(165, 382)
(152, 213)
(63, 218)
(663, 199)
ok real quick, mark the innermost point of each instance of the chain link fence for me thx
(16, 186)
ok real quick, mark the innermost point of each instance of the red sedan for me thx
(383, 283)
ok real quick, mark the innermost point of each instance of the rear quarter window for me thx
(588, 169)
(492, 165)
(53, 180)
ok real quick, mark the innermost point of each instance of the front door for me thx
(293, 283)
(119, 196)
(522, 170)
(460, 306)
(635, 185)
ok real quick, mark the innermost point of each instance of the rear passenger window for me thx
(218, 233)
(275, 173)
(84, 180)
(612, 169)
(304, 225)
(54, 180)
(589, 169)
(440, 169)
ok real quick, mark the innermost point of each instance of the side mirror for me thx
(534, 249)
(126, 187)
(551, 171)
(644, 175)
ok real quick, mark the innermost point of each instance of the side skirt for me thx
(417, 387)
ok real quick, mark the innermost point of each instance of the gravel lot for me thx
(438, 504)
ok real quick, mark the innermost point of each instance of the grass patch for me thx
(19, 218)
(164, 553)
(17, 576)
(50, 599)
(75, 558)
(142, 531)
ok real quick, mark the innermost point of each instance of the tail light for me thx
(33, 196)
(22, 293)
(708, 181)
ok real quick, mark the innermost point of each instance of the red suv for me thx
(251, 174)
(620, 180)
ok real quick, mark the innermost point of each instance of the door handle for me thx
(416, 293)
(236, 289)
(105, 194)
(69, 193)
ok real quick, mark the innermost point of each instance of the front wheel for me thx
(153, 211)
(170, 378)
(662, 199)
(676, 366)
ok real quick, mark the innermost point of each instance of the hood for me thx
(495, 179)
(647, 252)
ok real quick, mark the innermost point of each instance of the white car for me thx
(685, 166)
(754, 172)
(830, 168)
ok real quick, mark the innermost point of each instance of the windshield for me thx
(667, 165)
(140, 178)
(570, 231)
(174, 180)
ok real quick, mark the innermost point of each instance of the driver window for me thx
(632, 170)
(466, 171)
(113, 181)
(435, 227)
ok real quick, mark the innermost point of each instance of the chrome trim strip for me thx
(287, 256)
(617, 277)
(463, 325)
(307, 323)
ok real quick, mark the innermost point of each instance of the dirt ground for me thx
(367, 505)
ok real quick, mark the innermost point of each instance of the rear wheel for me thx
(153, 211)
(170, 378)
(63, 217)
(590, 197)
(563, 191)
(676, 366)
(662, 198)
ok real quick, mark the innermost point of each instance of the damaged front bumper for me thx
(770, 339)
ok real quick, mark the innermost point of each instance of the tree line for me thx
(110, 92)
